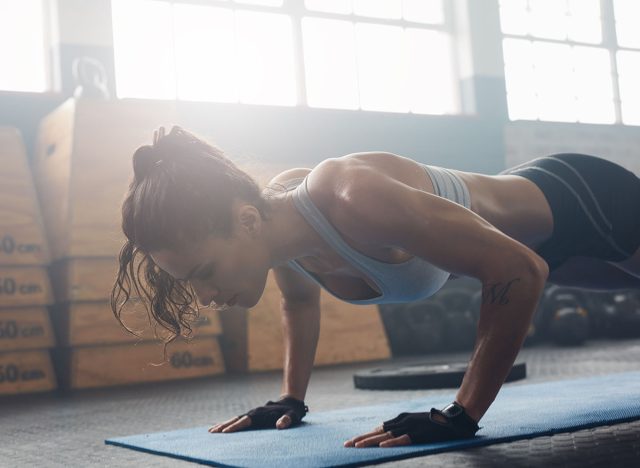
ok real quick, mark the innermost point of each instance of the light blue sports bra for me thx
(409, 281)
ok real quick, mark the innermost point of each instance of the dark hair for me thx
(182, 191)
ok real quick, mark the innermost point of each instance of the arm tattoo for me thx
(496, 293)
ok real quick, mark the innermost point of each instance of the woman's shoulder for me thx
(317, 176)
(369, 171)
(333, 178)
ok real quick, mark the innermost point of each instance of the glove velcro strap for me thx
(266, 416)
(297, 405)
(459, 421)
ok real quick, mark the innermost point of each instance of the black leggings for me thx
(595, 205)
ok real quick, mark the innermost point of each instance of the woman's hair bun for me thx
(148, 157)
(145, 160)
(167, 147)
(158, 135)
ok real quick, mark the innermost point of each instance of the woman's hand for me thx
(280, 414)
(419, 428)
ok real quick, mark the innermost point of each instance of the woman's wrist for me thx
(292, 395)
(470, 410)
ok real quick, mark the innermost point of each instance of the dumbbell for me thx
(621, 310)
(566, 319)
(601, 308)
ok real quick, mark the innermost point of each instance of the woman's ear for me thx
(250, 220)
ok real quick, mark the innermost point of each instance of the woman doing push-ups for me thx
(373, 228)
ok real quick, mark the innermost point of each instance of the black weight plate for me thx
(422, 376)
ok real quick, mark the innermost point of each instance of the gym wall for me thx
(482, 139)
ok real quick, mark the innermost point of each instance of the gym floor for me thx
(69, 430)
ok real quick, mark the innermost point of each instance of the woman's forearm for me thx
(507, 309)
(301, 328)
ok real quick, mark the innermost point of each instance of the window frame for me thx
(609, 43)
(296, 10)
(49, 60)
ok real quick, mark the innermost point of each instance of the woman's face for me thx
(223, 271)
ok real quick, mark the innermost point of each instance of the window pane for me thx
(583, 29)
(423, 11)
(593, 85)
(548, 19)
(265, 56)
(330, 63)
(553, 81)
(273, 3)
(627, 13)
(330, 6)
(387, 9)
(628, 79)
(205, 53)
(585, 24)
(585, 8)
(382, 68)
(431, 82)
(514, 17)
(143, 62)
(518, 65)
(558, 82)
(22, 46)
(522, 100)
(578, 20)
(522, 105)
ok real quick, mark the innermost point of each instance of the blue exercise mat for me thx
(519, 412)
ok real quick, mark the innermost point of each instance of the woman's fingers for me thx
(397, 441)
(242, 423)
(355, 440)
(232, 424)
(373, 440)
(378, 437)
(283, 422)
(219, 427)
(238, 423)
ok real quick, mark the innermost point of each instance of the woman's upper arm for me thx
(380, 210)
(295, 287)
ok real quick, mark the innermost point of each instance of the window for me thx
(376, 55)
(560, 65)
(403, 64)
(22, 46)
(627, 13)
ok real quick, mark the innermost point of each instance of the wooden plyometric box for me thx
(90, 323)
(82, 168)
(24, 286)
(83, 279)
(25, 328)
(125, 364)
(253, 339)
(22, 239)
(26, 372)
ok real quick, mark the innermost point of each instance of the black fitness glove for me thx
(266, 416)
(424, 428)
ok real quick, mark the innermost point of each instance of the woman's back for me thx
(513, 204)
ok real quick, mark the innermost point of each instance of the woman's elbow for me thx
(538, 266)
(521, 264)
